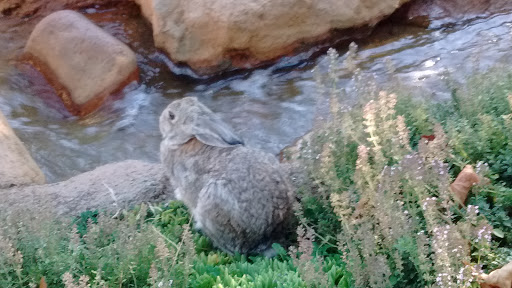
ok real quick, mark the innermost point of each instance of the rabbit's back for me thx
(244, 208)
(239, 196)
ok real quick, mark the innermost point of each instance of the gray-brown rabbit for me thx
(238, 196)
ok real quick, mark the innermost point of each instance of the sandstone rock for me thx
(16, 165)
(215, 35)
(84, 63)
(109, 187)
(500, 278)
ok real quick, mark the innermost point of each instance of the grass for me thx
(146, 247)
(375, 211)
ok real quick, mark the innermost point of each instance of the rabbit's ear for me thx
(211, 130)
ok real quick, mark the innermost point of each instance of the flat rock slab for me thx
(81, 61)
(215, 35)
(109, 188)
(16, 165)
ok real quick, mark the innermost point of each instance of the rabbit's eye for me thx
(171, 115)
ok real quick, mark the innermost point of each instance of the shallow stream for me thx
(268, 107)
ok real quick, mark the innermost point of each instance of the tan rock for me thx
(463, 183)
(214, 35)
(84, 63)
(16, 165)
(500, 278)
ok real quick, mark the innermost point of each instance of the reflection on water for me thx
(268, 107)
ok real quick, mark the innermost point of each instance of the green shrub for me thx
(376, 212)
(144, 247)
(400, 224)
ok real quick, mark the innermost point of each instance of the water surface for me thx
(268, 107)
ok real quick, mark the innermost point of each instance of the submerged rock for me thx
(81, 61)
(216, 35)
(16, 165)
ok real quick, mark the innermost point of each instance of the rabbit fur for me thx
(239, 197)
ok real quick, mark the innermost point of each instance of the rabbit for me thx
(238, 196)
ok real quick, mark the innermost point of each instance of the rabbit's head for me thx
(187, 118)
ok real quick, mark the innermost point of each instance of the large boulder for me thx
(215, 35)
(84, 63)
(109, 188)
(16, 165)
